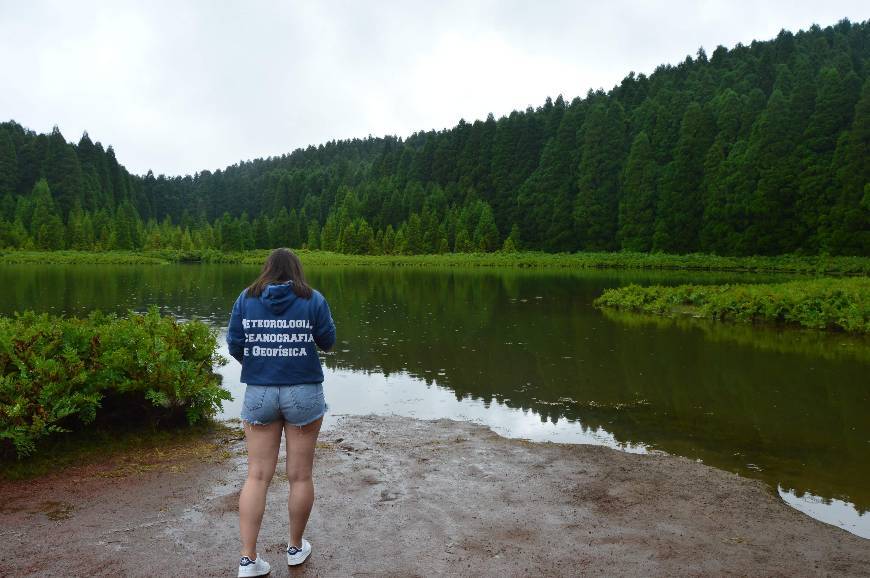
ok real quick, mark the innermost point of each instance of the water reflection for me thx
(361, 393)
(831, 511)
(525, 353)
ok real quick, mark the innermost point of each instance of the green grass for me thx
(81, 257)
(837, 304)
(813, 265)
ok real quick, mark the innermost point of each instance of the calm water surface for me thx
(526, 354)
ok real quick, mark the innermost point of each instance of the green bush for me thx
(841, 304)
(60, 373)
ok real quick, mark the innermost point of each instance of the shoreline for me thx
(433, 497)
(787, 264)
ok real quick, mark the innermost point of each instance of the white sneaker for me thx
(256, 567)
(296, 556)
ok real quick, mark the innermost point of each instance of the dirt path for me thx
(402, 497)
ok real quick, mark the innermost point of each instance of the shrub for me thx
(60, 373)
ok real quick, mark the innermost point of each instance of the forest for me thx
(756, 150)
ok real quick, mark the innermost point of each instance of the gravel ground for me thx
(404, 497)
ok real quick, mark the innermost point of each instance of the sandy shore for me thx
(403, 497)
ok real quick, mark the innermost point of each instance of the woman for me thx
(275, 327)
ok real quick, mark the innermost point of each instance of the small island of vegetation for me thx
(835, 304)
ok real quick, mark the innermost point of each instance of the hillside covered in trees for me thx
(761, 149)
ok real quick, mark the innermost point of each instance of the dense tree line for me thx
(761, 149)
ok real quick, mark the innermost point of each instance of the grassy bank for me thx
(61, 374)
(84, 257)
(623, 260)
(839, 304)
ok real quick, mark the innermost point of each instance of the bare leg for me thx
(263, 442)
(300, 460)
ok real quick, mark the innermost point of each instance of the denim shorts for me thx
(298, 404)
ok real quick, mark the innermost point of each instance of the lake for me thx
(525, 353)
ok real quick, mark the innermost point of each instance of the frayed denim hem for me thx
(255, 423)
(310, 421)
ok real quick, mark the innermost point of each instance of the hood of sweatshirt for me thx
(278, 297)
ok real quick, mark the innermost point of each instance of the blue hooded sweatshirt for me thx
(274, 336)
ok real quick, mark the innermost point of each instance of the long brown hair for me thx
(281, 265)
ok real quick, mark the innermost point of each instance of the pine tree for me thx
(103, 230)
(846, 231)
(389, 241)
(772, 150)
(347, 242)
(13, 235)
(414, 242)
(365, 237)
(7, 207)
(595, 210)
(90, 158)
(313, 240)
(262, 238)
(464, 243)
(330, 232)
(719, 218)
(679, 211)
(64, 173)
(637, 206)
(546, 198)
(486, 237)
(87, 234)
(401, 244)
(126, 229)
(512, 241)
(8, 164)
(294, 231)
(279, 229)
(246, 232)
(75, 229)
(431, 233)
(46, 226)
(117, 178)
(834, 106)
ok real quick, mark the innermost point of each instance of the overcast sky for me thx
(178, 87)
